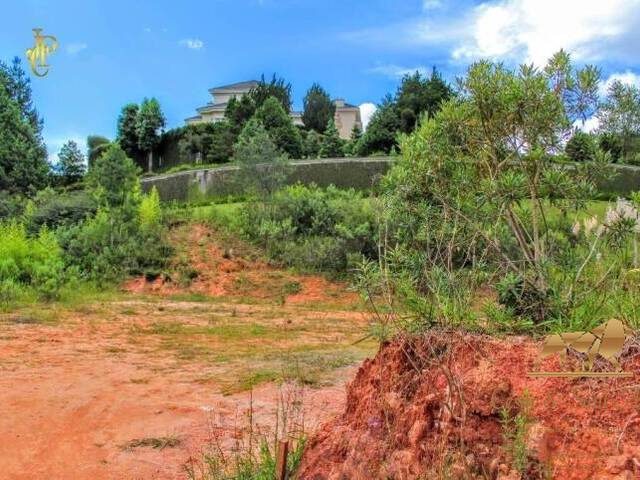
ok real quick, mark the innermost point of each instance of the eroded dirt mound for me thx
(209, 264)
(447, 405)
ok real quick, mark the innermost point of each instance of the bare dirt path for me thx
(79, 383)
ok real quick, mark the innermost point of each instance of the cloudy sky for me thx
(114, 52)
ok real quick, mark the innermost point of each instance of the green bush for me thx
(53, 209)
(114, 244)
(29, 262)
(311, 228)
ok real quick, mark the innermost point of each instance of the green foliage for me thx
(382, 130)
(516, 434)
(332, 145)
(243, 465)
(71, 164)
(620, 116)
(263, 167)
(114, 177)
(318, 109)
(113, 244)
(209, 142)
(149, 123)
(239, 111)
(54, 209)
(277, 87)
(468, 195)
(279, 125)
(312, 144)
(127, 135)
(416, 96)
(312, 228)
(18, 86)
(96, 146)
(581, 147)
(23, 165)
(150, 213)
(611, 143)
(29, 263)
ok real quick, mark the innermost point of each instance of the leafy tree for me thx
(71, 163)
(213, 142)
(150, 122)
(417, 95)
(96, 146)
(277, 87)
(319, 110)
(611, 143)
(481, 174)
(113, 178)
(280, 127)
(239, 111)
(312, 143)
(382, 130)
(351, 147)
(127, 135)
(581, 147)
(263, 167)
(332, 145)
(620, 115)
(576, 89)
(23, 166)
(18, 86)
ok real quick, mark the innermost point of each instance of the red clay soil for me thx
(430, 408)
(72, 398)
(225, 272)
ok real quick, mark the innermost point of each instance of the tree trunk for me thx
(150, 161)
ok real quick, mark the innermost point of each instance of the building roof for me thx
(242, 86)
(210, 107)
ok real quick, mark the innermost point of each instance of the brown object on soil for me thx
(433, 407)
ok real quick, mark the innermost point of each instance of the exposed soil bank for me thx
(430, 408)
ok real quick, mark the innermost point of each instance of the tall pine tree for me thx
(23, 156)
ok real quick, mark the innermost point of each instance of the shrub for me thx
(114, 244)
(113, 177)
(29, 262)
(581, 147)
(278, 124)
(312, 228)
(59, 209)
(149, 211)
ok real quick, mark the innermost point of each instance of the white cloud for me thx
(518, 30)
(628, 78)
(366, 111)
(55, 144)
(590, 125)
(431, 4)
(396, 71)
(192, 43)
(147, 30)
(532, 30)
(75, 48)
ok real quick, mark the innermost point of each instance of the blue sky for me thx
(116, 52)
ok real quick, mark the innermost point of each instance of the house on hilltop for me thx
(346, 115)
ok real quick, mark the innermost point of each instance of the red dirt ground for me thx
(221, 272)
(68, 405)
(73, 393)
(429, 408)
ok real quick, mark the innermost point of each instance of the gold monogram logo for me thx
(44, 45)
(606, 340)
